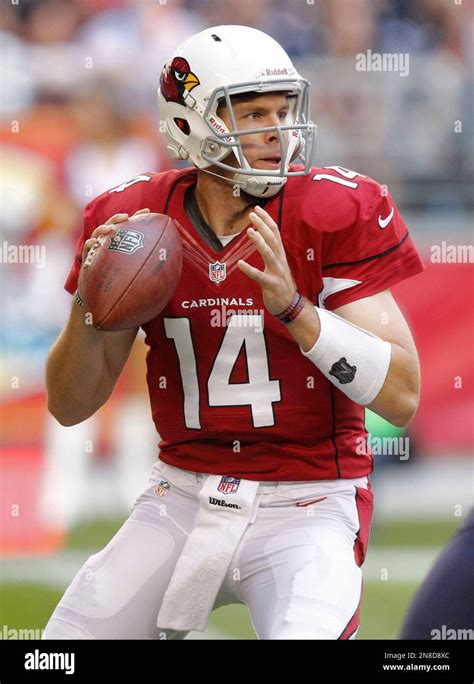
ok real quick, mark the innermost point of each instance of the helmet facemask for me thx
(299, 141)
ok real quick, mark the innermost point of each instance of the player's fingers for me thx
(264, 230)
(119, 218)
(267, 252)
(98, 236)
(116, 218)
(103, 230)
(252, 272)
(266, 216)
(270, 223)
(88, 244)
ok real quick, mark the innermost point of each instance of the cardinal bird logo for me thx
(177, 80)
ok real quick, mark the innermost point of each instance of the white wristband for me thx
(353, 359)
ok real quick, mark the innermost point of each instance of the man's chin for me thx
(227, 177)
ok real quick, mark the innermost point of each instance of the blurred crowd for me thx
(79, 110)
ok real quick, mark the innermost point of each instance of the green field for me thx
(28, 605)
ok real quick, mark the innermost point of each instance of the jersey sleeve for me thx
(124, 198)
(369, 256)
(87, 229)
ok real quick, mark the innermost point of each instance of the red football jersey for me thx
(230, 391)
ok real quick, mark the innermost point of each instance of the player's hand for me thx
(103, 230)
(278, 286)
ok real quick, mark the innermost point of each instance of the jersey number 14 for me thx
(259, 392)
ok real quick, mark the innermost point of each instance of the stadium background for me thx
(79, 116)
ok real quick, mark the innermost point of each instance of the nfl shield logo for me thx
(127, 241)
(228, 485)
(163, 488)
(217, 272)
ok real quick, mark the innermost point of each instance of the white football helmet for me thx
(213, 65)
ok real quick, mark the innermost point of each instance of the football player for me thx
(281, 331)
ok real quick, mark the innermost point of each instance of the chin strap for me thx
(258, 186)
(261, 186)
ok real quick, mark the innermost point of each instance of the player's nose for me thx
(271, 136)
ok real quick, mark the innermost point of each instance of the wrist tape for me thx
(353, 359)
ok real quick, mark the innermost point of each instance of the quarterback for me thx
(281, 331)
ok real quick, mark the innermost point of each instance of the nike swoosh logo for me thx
(308, 503)
(383, 223)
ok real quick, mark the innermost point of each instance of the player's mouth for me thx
(272, 162)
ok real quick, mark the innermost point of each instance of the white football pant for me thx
(296, 566)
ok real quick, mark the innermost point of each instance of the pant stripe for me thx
(353, 624)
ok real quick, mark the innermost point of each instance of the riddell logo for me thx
(282, 71)
(216, 125)
(221, 502)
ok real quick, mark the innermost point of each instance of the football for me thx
(131, 275)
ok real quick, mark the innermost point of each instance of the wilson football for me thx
(130, 276)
